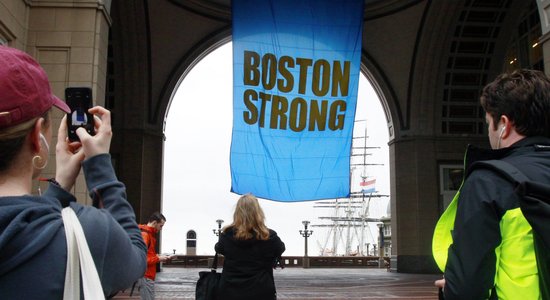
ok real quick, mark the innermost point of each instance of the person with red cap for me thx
(34, 244)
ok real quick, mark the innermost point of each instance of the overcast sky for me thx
(197, 180)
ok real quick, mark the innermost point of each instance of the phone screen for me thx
(79, 100)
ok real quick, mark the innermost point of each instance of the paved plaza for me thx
(298, 283)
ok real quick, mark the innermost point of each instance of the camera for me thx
(79, 100)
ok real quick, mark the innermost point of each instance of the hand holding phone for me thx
(79, 100)
(69, 155)
(99, 143)
(68, 158)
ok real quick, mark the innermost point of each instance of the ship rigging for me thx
(348, 226)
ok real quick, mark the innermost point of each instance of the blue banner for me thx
(295, 76)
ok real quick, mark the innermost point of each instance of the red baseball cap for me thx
(25, 91)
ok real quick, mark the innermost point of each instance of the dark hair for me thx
(524, 97)
(13, 138)
(156, 216)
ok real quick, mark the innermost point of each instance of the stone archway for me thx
(407, 55)
(407, 49)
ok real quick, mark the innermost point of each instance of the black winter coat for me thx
(248, 266)
(485, 197)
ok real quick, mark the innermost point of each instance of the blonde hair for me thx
(17, 131)
(248, 219)
(22, 129)
(12, 139)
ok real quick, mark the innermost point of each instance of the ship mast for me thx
(351, 217)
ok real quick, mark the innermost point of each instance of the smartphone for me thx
(79, 100)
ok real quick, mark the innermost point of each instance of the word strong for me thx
(296, 93)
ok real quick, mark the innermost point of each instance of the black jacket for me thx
(484, 198)
(248, 266)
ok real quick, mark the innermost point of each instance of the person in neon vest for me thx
(483, 242)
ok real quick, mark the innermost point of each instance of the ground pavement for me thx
(326, 283)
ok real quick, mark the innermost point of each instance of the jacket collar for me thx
(147, 228)
(474, 153)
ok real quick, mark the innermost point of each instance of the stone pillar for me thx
(69, 40)
(414, 203)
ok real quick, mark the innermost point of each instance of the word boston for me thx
(295, 77)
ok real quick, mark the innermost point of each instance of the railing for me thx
(205, 261)
(347, 261)
(193, 261)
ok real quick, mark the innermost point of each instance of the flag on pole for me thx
(368, 186)
(295, 83)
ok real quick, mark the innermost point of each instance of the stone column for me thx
(69, 40)
(414, 204)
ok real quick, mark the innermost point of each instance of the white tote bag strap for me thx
(78, 252)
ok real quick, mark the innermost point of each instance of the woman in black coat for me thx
(250, 250)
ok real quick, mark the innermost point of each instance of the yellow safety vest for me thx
(516, 274)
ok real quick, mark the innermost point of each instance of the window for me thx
(387, 230)
(450, 179)
(5, 35)
(524, 51)
(191, 235)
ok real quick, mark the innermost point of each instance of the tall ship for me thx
(348, 226)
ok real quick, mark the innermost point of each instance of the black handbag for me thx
(207, 285)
